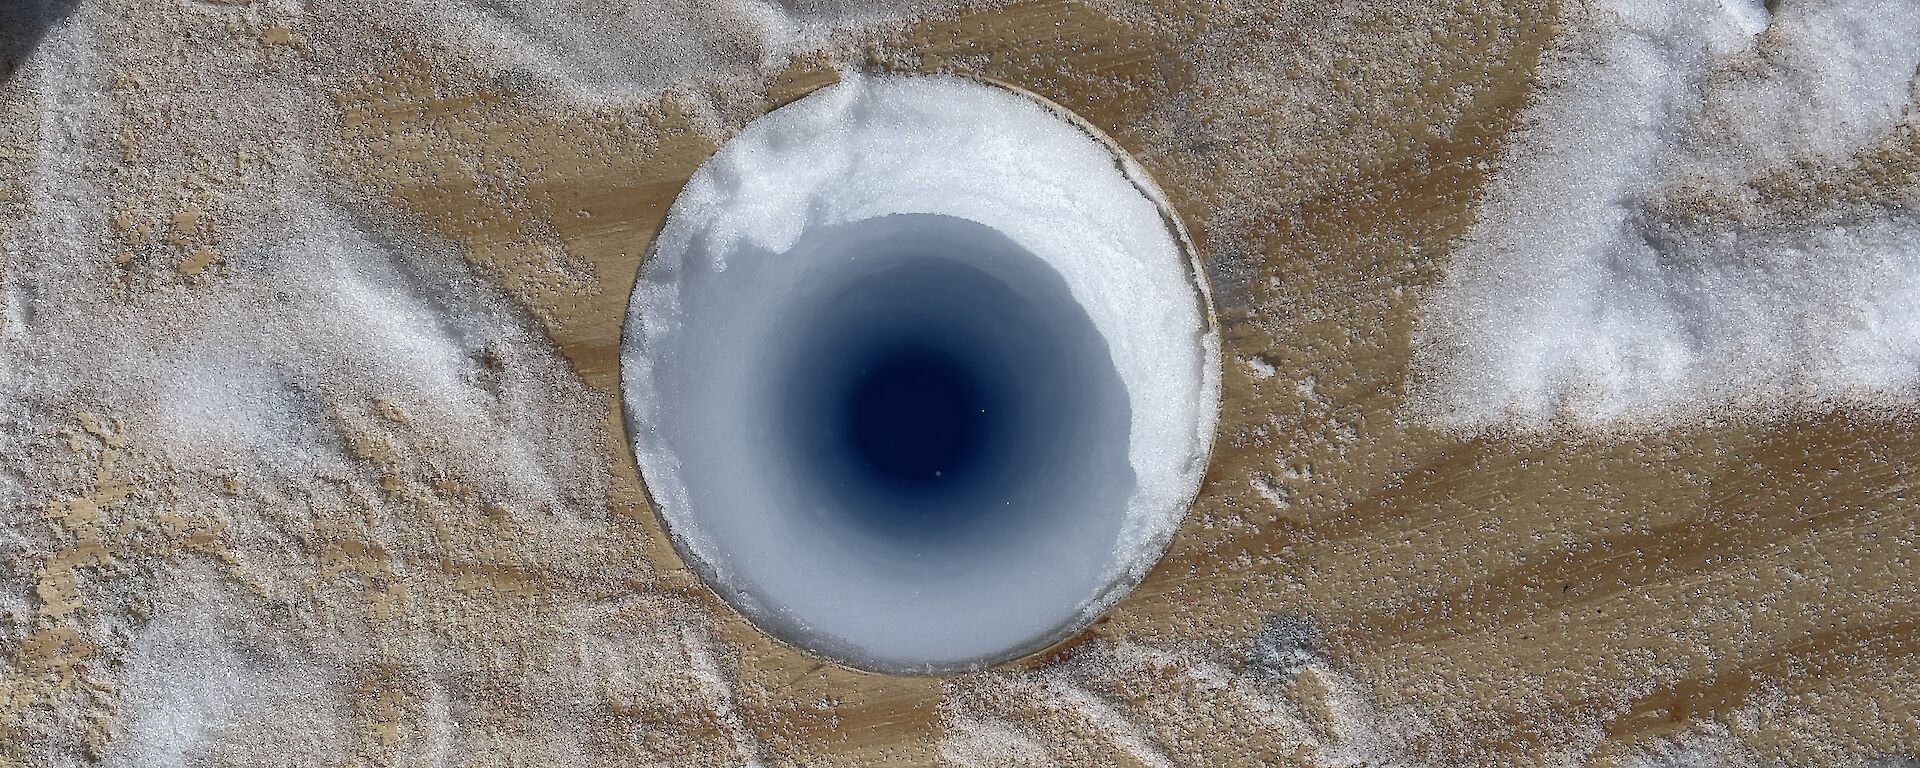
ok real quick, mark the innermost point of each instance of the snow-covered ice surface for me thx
(1306, 713)
(838, 188)
(604, 50)
(291, 477)
(263, 440)
(1692, 223)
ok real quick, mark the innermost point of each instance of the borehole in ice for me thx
(928, 380)
(920, 374)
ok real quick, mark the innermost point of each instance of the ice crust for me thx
(723, 273)
(1630, 265)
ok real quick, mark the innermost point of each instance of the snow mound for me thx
(1704, 213)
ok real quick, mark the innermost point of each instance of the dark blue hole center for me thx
(917, 418)
(937, 384)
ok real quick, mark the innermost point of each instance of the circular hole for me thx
(939, 382)
(920, 374)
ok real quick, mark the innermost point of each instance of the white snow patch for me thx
(198, 690)
(1586, 292)
(1259, 366)
(989, 742)
(605, 50)
(1275, 494)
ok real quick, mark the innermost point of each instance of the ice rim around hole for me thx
(1141, 536)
